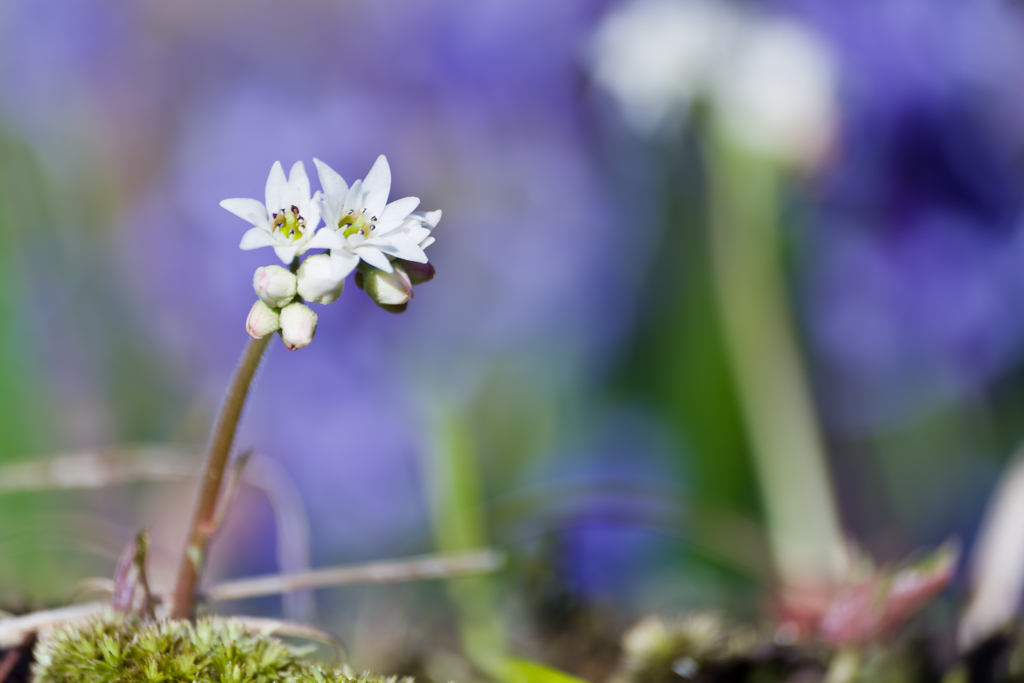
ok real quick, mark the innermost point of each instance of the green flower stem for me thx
(803, 523)
(205, 506)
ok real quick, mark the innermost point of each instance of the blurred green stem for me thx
(803, 524)
(205, 507)
(460, 524)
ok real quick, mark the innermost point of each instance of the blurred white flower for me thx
(997, 562)
(274, 285)
(776, 94)
(298, 325)
(656, 56)
(316, 283)
(360, 224)
(262, 320)
(771, 82)
(288, 220)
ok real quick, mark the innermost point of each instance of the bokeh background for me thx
(562, 387)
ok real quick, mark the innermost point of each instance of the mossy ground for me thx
(113, 649)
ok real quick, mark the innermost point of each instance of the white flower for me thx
(316, 283)
(289, 219)
(298, 325)
(360, 224)
(656, 56)
(262, 320)
(776, 95)
(770, 81)
(274, 285)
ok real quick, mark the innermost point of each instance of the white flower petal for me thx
(375, 257)
(385, 227)
(330, 210)
(343, 262)
(428, 218)
(325, 238)
(399, 209)
(298, 187)
(254, 238)
(427, 242)
(375, 204)
(333, 184)
(286, 254)
(249, 209)
(412, 233)
(277, 186)
(312, 216)
(379, 177)
(377, 186)
(354, 198)
(403, 249)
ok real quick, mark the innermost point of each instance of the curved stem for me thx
(205, 506)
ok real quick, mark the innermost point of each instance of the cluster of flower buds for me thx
(382, 242)
(280, 307)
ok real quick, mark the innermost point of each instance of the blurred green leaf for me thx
(460, 524)
(525, 671)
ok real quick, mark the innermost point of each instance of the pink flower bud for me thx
(298, 325)
(262, 320)
(274, 285)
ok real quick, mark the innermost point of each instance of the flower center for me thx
(357, 223)
(289, 223)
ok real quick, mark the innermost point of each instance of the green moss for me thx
(661, 650)
(117, 650)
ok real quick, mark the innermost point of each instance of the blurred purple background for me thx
(569, 322)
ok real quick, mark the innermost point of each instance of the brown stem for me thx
(213, 473)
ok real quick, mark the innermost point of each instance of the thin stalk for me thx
(205, 507)
(435, 566)
(803, 522)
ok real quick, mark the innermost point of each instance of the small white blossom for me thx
(274, 285)
(288, 220)
(298, 325)
(360, 224)
(316, 283)
(262, 320)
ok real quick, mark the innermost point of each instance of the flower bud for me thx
(418, 272)
(262, 320)
(315, 281)
(390, 291)
(274, 285)
(298, 325)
